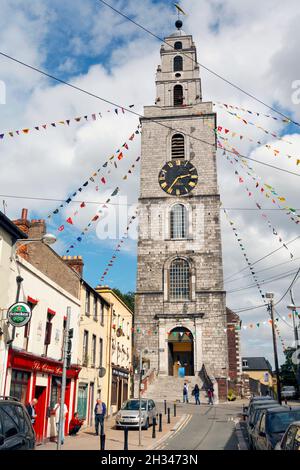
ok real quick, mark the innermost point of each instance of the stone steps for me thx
(171, 388)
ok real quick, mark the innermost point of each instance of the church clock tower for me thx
(180, 314)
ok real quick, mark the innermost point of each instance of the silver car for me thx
(128, 415)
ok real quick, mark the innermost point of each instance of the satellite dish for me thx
(102, 372)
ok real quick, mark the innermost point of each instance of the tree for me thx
(288, 370)
(127, 298)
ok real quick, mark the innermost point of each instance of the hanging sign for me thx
(19, 314)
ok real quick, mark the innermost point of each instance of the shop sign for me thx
(120, 373)
(19, 314)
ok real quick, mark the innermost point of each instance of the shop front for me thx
(119, 387)
(29, 377)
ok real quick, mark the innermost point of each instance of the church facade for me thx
(180, 311)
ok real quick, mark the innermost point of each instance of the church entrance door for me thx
(181, 352)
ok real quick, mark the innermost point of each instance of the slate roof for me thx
(256, 363)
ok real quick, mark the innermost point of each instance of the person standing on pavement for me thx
(210, 395)
(31, 410)
(100, 412)
(196, 394)
(57, 414)
(185, 393)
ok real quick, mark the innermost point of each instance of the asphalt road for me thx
(208, 428)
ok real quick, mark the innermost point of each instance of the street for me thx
(209, 427)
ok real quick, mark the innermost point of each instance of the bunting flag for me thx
(254, 113)
(244, 121)
(118, 247)
(269, 147)
(100, 211)
(61, 122)
(91, 179)
(265, 217)
(243, 250)
(265, 189)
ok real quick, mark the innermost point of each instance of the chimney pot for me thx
(24, 214)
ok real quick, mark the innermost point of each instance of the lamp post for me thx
(270, 295)
(47, 239)
(293, 309)
(140, 398)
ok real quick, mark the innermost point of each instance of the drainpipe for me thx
(109, 337)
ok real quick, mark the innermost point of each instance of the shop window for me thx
(114, 390)
(19, 385)
(55, 391)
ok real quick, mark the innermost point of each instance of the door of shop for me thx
(40, 409)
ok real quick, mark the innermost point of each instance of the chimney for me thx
(74, 262)
(37, 228)
(22, 223)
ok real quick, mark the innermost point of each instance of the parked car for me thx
(254, 405)
(16, 431)
(291, 438)
(272, 425)
(257, 412)
(128, 415)
(253, 400)
(288, 391)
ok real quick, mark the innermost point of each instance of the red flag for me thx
(70, 221)
(103, 180)
(126, 146)
(96, 217)
(61, 228)
(131, 137)
(120, 156)
(82, 204)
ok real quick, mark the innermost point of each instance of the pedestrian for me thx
(75, 425)
(30, 407)
(196, 393)
(185, 393)
(210, 395)
(100, 412)
(57, 416)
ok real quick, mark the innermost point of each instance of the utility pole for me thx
(140, 402)
(63, 382)
(270, 295)
(293, 308)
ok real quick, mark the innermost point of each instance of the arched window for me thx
(178, 45)
(178, 63)
(178, 95)
(179, 280)
(178, 221)
(177, 146)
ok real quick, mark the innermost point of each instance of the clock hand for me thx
(176, 179)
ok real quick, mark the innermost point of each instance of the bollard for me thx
(165, 403)
(102, 441)
(174, 410)
(160, 423)
(153, 427)
(125, 438)
(169, 416)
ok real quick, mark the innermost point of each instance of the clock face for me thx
(178, 177)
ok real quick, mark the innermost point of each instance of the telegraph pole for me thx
(293, 308)
(140, 403)
(270, 295)
(63, 382)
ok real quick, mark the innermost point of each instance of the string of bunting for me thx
(243, 250)
(276, 152)
(61, 122)
(118, 247)
(118, 155)
(226, 105)
(266, 189)
(258, 324)
(244, 121)
(266, 218)
(99, 212)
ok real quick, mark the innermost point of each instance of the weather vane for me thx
(179, 10)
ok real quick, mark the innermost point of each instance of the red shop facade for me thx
(29, 376)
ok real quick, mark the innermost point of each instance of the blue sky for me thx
(252, 43)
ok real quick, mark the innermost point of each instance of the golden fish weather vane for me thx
(179, 9)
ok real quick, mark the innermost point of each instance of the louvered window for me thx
(178, 63)
(178, 95)
(177, 146)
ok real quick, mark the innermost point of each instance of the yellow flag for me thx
(179, 9)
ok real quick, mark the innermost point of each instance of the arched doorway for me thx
(181, 351)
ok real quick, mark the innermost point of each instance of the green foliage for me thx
(288, 369)
(231, 396)
(127, 298)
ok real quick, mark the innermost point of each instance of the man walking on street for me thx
(185, 393)
(31, 410)
(57, 416)
(100, 412)
(210, 395)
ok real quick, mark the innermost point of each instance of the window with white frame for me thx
(179, 280)
(178, 221)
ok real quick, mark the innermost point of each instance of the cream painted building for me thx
(119, 332)
(93, 352)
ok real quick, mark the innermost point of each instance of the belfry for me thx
(180, 314)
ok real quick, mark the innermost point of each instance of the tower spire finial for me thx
(178, 22)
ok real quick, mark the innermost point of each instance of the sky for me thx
(252, 44)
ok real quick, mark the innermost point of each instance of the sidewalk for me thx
(86, 439)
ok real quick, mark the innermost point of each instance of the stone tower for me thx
(180, 315)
